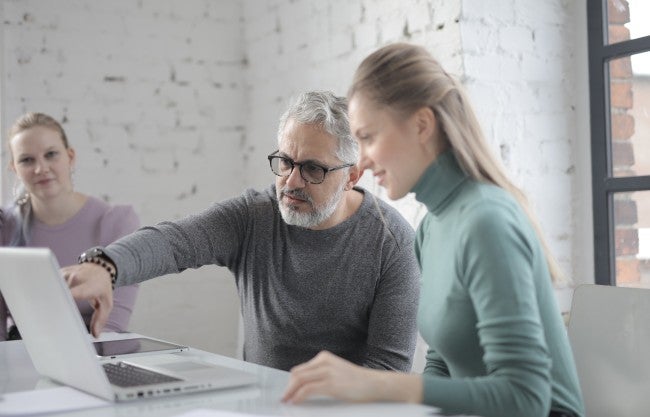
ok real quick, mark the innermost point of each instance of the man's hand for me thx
(92, 283)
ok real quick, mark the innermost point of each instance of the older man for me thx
(319, 263)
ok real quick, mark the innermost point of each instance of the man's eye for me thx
(285, 163)
(313, 168)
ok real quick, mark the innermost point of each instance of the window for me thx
(619, 85)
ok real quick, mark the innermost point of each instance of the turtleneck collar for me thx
(439, 181)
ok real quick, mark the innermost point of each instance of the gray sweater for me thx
(351, 289)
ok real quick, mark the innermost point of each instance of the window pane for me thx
(627, 19)
(630, 115)
(632, 238)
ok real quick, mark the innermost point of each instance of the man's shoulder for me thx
(259, 197)
(250, 202)
(379, 210)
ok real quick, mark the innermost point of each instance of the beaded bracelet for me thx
(107, 266)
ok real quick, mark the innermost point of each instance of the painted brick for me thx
(365, 36)
(418, 16)
(536, 13)
(496, 12)
(516, 40)
(480, 39)
(164, 86)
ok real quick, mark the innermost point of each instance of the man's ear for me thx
(354, 175)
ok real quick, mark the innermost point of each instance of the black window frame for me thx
(604, 185)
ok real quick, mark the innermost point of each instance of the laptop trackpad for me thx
(183, 367)
(186, 366)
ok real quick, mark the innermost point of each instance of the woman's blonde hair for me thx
(30, 120)
(405, 78)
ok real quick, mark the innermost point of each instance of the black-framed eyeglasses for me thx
(310, 171)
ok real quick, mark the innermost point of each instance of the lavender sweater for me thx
(97, 223)
(351, 289)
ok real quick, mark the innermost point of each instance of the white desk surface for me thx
(18, 374)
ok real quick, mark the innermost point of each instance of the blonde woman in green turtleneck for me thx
(497, 343)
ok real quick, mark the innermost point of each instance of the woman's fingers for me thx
(306, 390)
(325, 374)
(301, 375)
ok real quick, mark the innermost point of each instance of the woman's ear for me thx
(426, 124)
(72, 155)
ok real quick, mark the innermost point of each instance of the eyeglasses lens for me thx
(311, 173)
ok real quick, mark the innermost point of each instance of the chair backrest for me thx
(609, 330)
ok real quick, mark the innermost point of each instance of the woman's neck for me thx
(58, 210)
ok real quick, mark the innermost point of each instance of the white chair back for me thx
(609, 330)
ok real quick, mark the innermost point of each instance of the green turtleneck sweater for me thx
(497, 343)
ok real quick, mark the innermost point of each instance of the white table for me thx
(18, 374)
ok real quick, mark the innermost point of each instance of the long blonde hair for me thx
(406, 78)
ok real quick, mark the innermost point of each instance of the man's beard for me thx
(312, 218)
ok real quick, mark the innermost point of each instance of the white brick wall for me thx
(153, 98)
(518, 69)
(155, 91)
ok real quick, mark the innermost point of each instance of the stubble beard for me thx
(313, 217)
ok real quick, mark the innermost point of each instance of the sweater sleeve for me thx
(213, 236)
(119, 221)
(435, 365)
(392, 328)
(495, 265)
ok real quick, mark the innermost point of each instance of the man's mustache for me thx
(297, 194)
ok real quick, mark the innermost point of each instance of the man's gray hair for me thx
(328, 111)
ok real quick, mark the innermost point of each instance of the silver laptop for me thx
(610, 337)
(60, 347)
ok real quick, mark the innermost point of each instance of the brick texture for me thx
(621, 96)
(627, 270)
(618, 12)
(623, 158)
(622, 126)
(626, 241)
(174, 104)
(625, 211)
(618, 33)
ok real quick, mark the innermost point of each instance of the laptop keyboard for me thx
(125, 375)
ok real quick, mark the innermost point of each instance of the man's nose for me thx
(295, 180)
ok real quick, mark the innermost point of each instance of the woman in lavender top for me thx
(48, 212)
